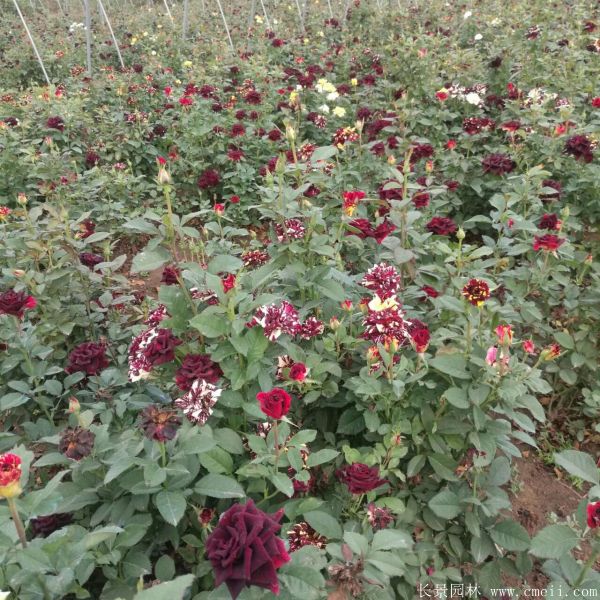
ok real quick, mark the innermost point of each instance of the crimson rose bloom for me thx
(244, 549)
(549, 221)
(10, 474)
(210, 178)
(498, 164)
(548, 242)
(420, 339)
(55, 123)
(162, 348)
(360, 478)
(15, 303)
(593, 515)
(274, 404)
(430, 292)
(441, 226)
(580, 147)
(89, 357)
(298, 372)
(197, 366)
(90, 260)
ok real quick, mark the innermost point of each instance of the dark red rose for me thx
(387, 191)
(90, 260)
(360, 478)
(76, 443)
(162, 348)
(580, 147)
(420, 339)
(274, 404)
(593, 515)
(210, 178)
(549, 221)
(365, 230)
(548, 242)
(420, 151)
(91, 159)
(170, 275)
(383, 230)
(430, 292)
(498, 164)
(158, 423)
(44, 526)
(197, 366)
(476, 291)
(441, 226)
(298, 372)
(421, 199)
(16, 303)
(244, 549)
(89, 358)
(55, 123)
(253, 97)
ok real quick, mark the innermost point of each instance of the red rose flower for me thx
(210, 178)
(10, 475)
(420, 339)
(593, 515)
(548, 242)
(476, 292)
(298, 372)
(89, 358)
(360, 478)
(244, 549)
(228, 282)
(16, 303)
(162, 348)
(498, 164)
(170, 275)
(441, 226)
(275, 404)
(197, 366)
(430, 292)
(158, 423)
(580, 147)
(549, 221)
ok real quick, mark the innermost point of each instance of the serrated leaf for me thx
(510, 535)
(219, 486)
(324, 524)
(454, 365)
(579, 464)
(171, 506)
(554, 541)
(445, 504)
(173, 590)
(149, 260)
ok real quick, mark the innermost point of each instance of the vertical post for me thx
(251, 15)
(300, 15)
(186, 16)
(168, 10)
(330, 9)
(88, 35)
(226, 26)
(37, 54)
(265, 13)
(112, 34)
(346, 9)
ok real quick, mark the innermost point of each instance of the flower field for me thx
(294, 294)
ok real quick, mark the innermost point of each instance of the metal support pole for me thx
(265, 13)
(168, 11)
(112, 34)
(88, 36)
(37, 54)
(186, 16)
(226, 26)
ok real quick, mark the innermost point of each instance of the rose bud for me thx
(505, 335)
(551, 352)
(205, 516)
(234, 199)
(10, 475)
(593, 515)
(219, 209)
(529, 346)
(298, 372)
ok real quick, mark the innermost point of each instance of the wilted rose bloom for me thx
(360, 478)
(298, 372)
(244, 549)
(16, 303)
(197, 405)
(86, 228)
(275, 403)
(529, 346)
(580, 147)
(420, 339)
(441, 226)
(197, 366)
(593, 515)
(10, 475)
(378, 517)
(159, 423)
(170, 275)
(302, 534)
(44, 526)
(90, 260)
(76, 443)
(549, 221)
(89, 358)
(209, 179)
(548, 242)
(55, 123)
(498, 164)
(382, 279)
(476, 291)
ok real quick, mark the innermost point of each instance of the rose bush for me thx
(281, 319)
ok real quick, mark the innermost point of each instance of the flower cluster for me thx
(149, 349)
(277, 319)
(197, 404)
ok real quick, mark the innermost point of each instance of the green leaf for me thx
(323, 153)
(173, 590)
(324, 524)
(224, 263)
(302, 582)
(211, 322)
(219, 486)
(12, 400)
(457, 397)
(451, 364)
(554, 541)
(164, 569)
(578, 464)
(444, 466)
(320, 457)
(283, 483)
(445, 504)
(171, 506)
(148, 260)
(391, 539)
(94, 538)
(510, 535)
